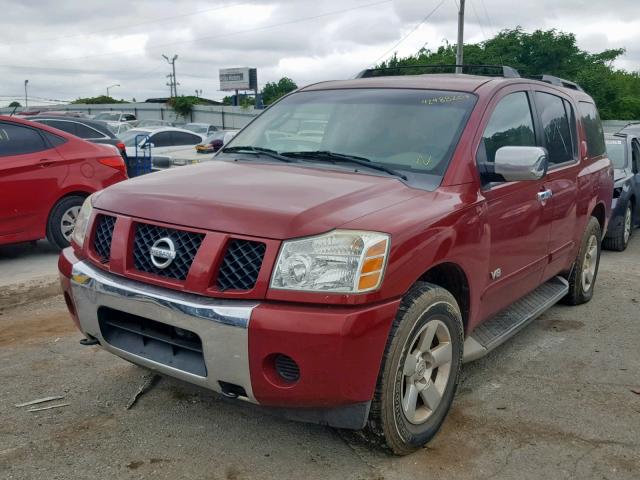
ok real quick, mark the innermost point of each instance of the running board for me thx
(511, 320)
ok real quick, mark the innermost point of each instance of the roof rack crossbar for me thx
(501, 70)
(559, 82)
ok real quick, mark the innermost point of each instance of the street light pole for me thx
(459, 51)
(26, 97)
(111, 86)
(174, 81)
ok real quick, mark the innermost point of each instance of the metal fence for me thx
(220, 116)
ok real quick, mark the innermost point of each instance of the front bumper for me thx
(338, 349)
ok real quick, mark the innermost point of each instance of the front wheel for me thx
(420, 370)
(619, 237)
(582, 279)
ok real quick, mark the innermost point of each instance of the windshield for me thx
(108, 117)
(129, 137)
(415, 131)
(617, 151)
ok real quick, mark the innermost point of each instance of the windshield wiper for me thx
(257, 151)
(342, 157)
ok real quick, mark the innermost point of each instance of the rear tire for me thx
(618, 240)
(582, 279)
(420, 371)
(62, 220)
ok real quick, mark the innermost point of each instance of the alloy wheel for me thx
(590, 263)
(426, 371)
(68, 222)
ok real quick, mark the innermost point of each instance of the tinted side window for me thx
(19, 140)
(53, 140)
(183, 138)
(592, 129)
(511, 124)
(162, 139)
(85, 132)
(68, 127)
(635, 157)
(555, 126)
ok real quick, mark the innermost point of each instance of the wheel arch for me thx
(452, 277)
(599, 212)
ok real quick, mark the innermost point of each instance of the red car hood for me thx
(255, 199)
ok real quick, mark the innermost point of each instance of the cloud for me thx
(69, 49)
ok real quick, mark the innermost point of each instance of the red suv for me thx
(341, 274)
(45, 175)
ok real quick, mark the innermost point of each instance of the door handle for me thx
(44, 162)
(544, 195)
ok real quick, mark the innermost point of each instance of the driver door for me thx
(517, 219)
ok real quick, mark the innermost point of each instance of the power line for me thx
(130, 25)
(486, 12)
(475, 14)
(226, 35)
(408, 34)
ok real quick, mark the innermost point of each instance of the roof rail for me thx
(558, 82)
(488, 70)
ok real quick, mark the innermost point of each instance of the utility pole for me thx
(173, 80)
(26, 97)
(459, 51)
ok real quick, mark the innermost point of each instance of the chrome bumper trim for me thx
(222, 325)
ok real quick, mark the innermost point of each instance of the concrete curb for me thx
(39, 288)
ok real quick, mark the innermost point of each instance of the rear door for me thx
(558, 133)
(635, 165)
(517, 221)
(31, 172)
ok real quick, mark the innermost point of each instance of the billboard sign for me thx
(238, 79)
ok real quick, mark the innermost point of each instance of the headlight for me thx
(339, 261)
(82, 222)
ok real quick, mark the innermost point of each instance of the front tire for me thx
(619, 238)
(420, 370)
(62, 220)
(582, 279)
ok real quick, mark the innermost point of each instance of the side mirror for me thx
(521, 163)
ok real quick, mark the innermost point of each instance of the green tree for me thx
(183, 104)
(98, 100)
(617, 92)
(272, 91)
(14, 104)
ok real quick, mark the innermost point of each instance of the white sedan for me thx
(160, 140)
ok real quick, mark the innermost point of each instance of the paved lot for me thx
(555, 402)
(28, 271)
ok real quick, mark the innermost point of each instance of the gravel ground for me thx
(554, 402)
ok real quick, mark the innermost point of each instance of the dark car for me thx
(91, 130)
(624, 152)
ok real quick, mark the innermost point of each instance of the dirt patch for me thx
(561, 325)
(18, 327)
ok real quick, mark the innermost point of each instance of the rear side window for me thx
(83, 131)
(511, 124)
(68, 127)
(183, 138)
(556, 128)
(592, 129)
(19, 140)
(162, 139)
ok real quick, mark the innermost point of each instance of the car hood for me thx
(254, 198)
(620, 174)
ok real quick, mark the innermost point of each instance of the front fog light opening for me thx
(287, 368)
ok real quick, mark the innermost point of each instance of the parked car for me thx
(162, 140)
(216, 141)
(45, 176)
(120, 128)
(90, 130)
(344, 277)
(624, 152)
(201, 128)
(114, 118)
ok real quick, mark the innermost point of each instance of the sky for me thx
(70, 49)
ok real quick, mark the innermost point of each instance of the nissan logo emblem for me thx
(162, 252)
